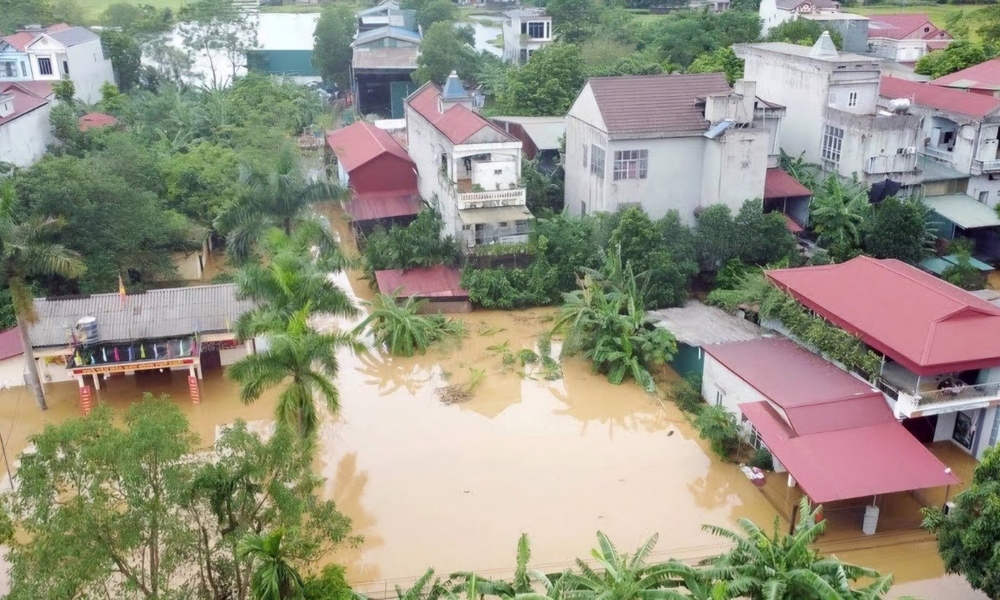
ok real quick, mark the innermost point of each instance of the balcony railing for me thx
(886, 388)
(891, 163)
(493, 199)
(979, 391)
(987, 166)
(938, 153)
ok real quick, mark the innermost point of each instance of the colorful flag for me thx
(121, 289)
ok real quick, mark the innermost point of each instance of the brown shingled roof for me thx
(655, 104)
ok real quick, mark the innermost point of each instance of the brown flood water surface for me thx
(453, 485)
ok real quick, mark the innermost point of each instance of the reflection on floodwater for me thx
(454, 485)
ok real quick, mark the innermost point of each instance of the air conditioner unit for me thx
(911, 150)
(948, 507)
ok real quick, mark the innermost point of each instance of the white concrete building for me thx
(905, 38)
(667, 142)
(775, 12)
(832, 117)
(25, 132)
(525, 30)
(74, 53)
(468, 169)
(12, 365)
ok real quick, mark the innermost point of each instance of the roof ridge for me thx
(882, 264)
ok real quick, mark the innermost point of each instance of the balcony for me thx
(905, 162)
(987, 166)
(938, 154)
(493, 199)
(934, 402)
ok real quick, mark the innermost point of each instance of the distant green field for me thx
(93, 9)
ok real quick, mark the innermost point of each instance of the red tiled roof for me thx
(96, 120)
(984, 76)
(792, 225)
(941, 98)
(423, 282)
(42, 89)
(814, 394)
(655, 104)
(382, 205)
(10, 344)
(882, 458)
(458, 123)
(20, 39)
(779, 184)
(898, 26)
(926, 324)
(24, 101)
(361, 142)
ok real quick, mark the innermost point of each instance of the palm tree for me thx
(780, 566)
(838, 210)
(305, 355)
(24, 253)
(283, 283)
(281, 197)
(621, 577)
(273, 576)
(402, 329)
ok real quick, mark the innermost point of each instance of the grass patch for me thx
(93, 9)
(292, 8)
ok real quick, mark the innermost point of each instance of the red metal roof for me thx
(458, 123)
(96, 120)
(814, 394)
(20, 40)
(984, 76)
(423, 282)
(383, 205)
(10, 344)
(779, 184)
(941, 98)
(849, 463)
(644, 104)
(899, 26)
(362, 142)
(25, 101)
(918, 320)
(792, 225)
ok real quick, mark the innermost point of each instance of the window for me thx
(597, 161)
(984, 197)
(831, 99)
(8, 68)
(720, 395)
(833, 140)
(536, 30)
(585, 156)
(44, 66)
(66, 67)
(24, 69)
(852, 99)
(498, 171)
(631, 164)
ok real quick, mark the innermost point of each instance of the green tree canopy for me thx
(442, 51)
(751, 236)
(683, 36)
(124, 53)
(435, 11)
(803, 32)
(574, 20)
(202, 181)
(959, 55)
(546, 85)
(897, 229)
(722, 60)
(333, 36)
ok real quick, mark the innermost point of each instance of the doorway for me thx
(922, 428)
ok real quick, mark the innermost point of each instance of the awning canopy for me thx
(475, 216)
(383, 205)
(440, 281)
(792, 225)
(779, 184)
(843, 464)
(963, 211)
(938, 265)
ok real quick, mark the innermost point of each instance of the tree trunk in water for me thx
(29, 359)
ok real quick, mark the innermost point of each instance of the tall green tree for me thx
(898, 229)
(218, 28)
(125, 55)
(803, 32)
(959, 55)
(442, 51)
(436, 11)
(332, 51)
(26, 251)
(837, 213)
(721, 60)
(574, 20)
(306, 356)
(281, 196)
(967, 535)
(20, 13)
(546, 85)
(274, 577)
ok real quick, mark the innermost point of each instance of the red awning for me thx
(849, 463)
(383, 205)
(423, 282)
(778, 184)
(792, 225)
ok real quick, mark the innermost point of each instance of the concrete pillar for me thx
(198, 367)
(791, 480)
(249, 347)
(193, 386)
(97, 382)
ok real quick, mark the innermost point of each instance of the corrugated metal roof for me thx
(395, 32)
(423, 282)
(942, 98)
(361, 142)
(926, 324)
(696, 324)
(383, 205)
(171, 312)
(984, 76)
(73, 36)
(901, 25)
(655, 104)
(779, 184)
(963, 211)
(545, 132)
(474, 216)
(24, 101)
(849, 463)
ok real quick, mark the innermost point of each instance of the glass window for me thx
(536, 30)
(585, 156)
(24, 69)
(44, 66)
(852, 99)
(597, 161)
(8, 68)
(833, 140)
(631, 164)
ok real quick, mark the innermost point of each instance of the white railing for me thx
(891, 163)
(988, 165)
(938, 153)
(514, 197)
(976, 392)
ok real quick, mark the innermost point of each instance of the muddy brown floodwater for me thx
(453, 485)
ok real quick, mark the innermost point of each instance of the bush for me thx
(419, 244)
(762, 459)
(687, 394)
(718, 426)
(506, 288)
(330, 584)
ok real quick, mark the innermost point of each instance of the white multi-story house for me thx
(832, 117)
(905, 37)
(775, 12)
(468, 169)
(668, 142)
(72, 53)
(525, 30)
(25, 132)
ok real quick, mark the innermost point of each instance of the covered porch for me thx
(959, 216)
(489, 226)
(784, 194)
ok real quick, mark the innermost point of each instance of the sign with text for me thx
(123, 367)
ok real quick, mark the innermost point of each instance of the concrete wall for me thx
(24, 140)
(717, 378)
(22, 66)
(493, 175)
(12, 372)
(232, 355)
(898, 50)
(384, 174)
(771, 16)
(89, 70)
(585, 192)
(426, 145)
(982, 419)
(742, 168)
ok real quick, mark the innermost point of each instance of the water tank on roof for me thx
(87, 332)
(899, 105)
